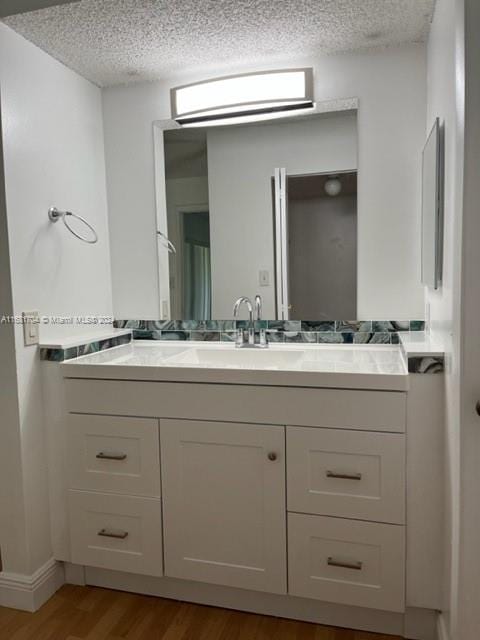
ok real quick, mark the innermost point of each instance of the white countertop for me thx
(419, 344)
(76, 340)
(320, 365)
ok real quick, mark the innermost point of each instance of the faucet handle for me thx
(239, 337)
(263, 338)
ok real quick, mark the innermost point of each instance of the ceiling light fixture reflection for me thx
(333, 186)
(243, 98)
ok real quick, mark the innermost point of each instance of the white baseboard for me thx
(420, 624)
(284, 606)
(74, 574)
(29, 592)
(442, 630)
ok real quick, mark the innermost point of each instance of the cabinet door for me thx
(224, 503)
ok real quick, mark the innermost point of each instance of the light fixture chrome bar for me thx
(245, 113)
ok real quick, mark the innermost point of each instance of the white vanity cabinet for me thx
(307, 496)
(224, 503)
(289, 491)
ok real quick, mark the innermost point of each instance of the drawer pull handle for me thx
(357, 566)
(344, 476)
(106, 533)
(272, 456)
(103, 455)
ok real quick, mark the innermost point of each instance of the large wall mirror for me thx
(266, 208)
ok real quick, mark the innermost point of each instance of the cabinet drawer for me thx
(351, 474)
(114, 454)
(332, 408)
(347, 561)
(116, 532)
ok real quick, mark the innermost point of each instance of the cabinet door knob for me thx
(272, 456)
(477, 408)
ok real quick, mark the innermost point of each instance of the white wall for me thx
(241, 163)
(12, 514)
(391, 128)
(445, 100)
(53, 152)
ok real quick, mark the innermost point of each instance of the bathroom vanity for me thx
(282, 475)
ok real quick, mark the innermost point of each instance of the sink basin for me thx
(303, 365)
(237, 358)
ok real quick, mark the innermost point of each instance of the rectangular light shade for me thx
(247, 94)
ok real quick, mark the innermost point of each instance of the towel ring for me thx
(168, 244)
(54, 215)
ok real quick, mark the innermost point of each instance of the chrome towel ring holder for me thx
(54, 215)
(168, 244)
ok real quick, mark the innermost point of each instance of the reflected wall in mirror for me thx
(265, 209)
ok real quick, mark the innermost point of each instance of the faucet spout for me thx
(240, 341)
(238, 304)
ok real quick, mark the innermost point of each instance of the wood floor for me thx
(90, 613)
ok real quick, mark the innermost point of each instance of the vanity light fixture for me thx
(243, 98)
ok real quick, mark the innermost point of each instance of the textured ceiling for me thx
(116, 41)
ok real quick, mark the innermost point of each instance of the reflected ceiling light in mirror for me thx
(243, 98)
(333, 186)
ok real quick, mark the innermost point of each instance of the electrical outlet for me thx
(164, 310)
(263, 278)
(31, 325)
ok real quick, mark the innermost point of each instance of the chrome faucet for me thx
(240, 339)
(247, 339)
